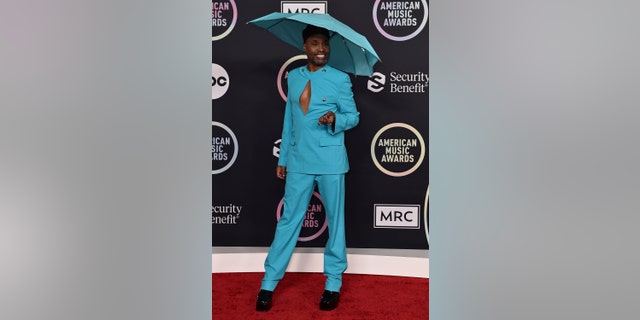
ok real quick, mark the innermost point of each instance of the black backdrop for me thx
(386, 198)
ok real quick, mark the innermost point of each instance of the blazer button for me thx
(324, 70)
(324, 99)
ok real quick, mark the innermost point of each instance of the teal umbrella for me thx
(350, 51)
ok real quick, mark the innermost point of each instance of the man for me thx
(319, 108)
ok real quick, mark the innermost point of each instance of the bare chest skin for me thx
(305, 97)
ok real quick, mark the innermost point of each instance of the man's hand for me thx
(281, 172)
(327, 118)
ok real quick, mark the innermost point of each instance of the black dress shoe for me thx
(264, 300)
(329, 300)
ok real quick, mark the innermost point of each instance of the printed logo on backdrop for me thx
(376, 82)
(303, 6)
(396, 216)
(276, 148)
(224, 147)
(225, 214)
(295, 62)
(426, 215)
(315, 220)
(223, 18)
(398, 149)
(400, 20)
(219, 81)
(399, 82)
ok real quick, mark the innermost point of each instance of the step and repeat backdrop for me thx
(387, 188)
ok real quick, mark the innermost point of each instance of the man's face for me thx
(317, 49)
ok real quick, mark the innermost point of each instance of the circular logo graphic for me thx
(398, 149)
(400, 20)
(224, 147)
(315, 220)
(219, 81)
(426, 215)
(283, 74)
(223, 18)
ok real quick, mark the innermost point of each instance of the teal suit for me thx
(313, 154)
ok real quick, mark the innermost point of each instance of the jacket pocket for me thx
(327, 142)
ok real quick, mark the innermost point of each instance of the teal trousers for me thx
(298, 191)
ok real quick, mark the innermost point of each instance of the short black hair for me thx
(311, 30)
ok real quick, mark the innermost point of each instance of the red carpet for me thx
(368, 297)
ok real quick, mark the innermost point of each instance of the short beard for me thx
(318, 63)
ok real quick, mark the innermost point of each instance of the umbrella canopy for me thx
(350, 51)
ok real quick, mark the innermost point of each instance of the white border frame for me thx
(313, 262)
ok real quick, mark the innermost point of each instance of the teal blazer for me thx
(309, 147)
